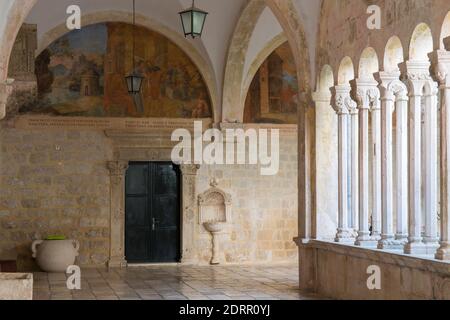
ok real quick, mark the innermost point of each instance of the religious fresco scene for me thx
(83, 74)
(273, 93)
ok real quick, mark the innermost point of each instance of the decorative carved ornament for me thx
(368, 98)
(117, 168)
(344, 104)
(214, 205)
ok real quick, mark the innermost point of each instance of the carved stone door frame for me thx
(129, 147)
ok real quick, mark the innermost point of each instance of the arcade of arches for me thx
(362, 114)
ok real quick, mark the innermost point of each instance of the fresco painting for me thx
(273, 93)
(83, 74)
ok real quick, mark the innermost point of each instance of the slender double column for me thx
(441, 61)
(342, 104)
(401, 174)
(431, 238)
(420, 82)
(367, 96)
(393, 96)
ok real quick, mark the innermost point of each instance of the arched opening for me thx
(273, 93)
(368, 64)
(233, 95)
(445, 31)
(346, 71)
(393, 54)
(326, 79)
(421, 43)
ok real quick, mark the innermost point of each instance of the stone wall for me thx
(264, 212)
(54, 182)
(57, 182)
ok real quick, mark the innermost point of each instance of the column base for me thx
(376, 236)
(117, 262)
(431, 245)
(443, 253)
(345, 236)
(369, 244)
(415, 247)
(365, 240)
(401, 237)
(388, 242)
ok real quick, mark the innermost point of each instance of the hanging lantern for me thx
(134, 80)
(134, 83)
(193, 21)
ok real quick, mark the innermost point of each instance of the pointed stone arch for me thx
(286, 14)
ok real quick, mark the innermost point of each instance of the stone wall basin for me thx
(16, 286)
(214, 227)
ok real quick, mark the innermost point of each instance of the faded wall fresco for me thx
(273, 93)
(83, 74)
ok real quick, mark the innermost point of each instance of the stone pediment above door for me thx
(148, 140)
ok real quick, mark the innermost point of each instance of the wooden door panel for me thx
(152, 212)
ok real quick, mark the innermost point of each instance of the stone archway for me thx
(19, 11)
(259, 60)
(286, 14)
(15, 16)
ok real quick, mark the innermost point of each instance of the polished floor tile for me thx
(174, 282)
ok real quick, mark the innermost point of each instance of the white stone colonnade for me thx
(405, 136)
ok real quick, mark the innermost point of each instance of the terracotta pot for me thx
(55, 255)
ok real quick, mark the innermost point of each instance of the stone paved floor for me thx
(176, 283)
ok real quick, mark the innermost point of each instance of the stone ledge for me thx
(396, 258)
(16, 286)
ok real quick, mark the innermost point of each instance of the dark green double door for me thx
(152, 210)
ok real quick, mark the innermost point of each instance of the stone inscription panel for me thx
(77, 123)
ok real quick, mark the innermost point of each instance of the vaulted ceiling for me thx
(221, 23)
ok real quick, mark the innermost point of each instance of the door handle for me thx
(154, 223)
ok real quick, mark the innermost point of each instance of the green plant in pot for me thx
(55, 253)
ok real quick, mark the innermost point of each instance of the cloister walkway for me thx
(268, 282)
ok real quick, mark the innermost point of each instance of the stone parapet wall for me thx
(341, 272)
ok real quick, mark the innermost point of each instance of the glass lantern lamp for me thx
(193, 21)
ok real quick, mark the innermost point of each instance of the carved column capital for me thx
(441, 66)
(342, 102)
(189, 169)
(117, 168)
(367, 94)
(418, 76)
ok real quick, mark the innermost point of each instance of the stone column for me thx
(401, 175)
(418, 74)
(376, 171)
(354, 155)
(342, 104)
(189, 212)
(387, 218)
(367, 95)
(117, 219)
(441, 61)
(393, 92)
(431, 238)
